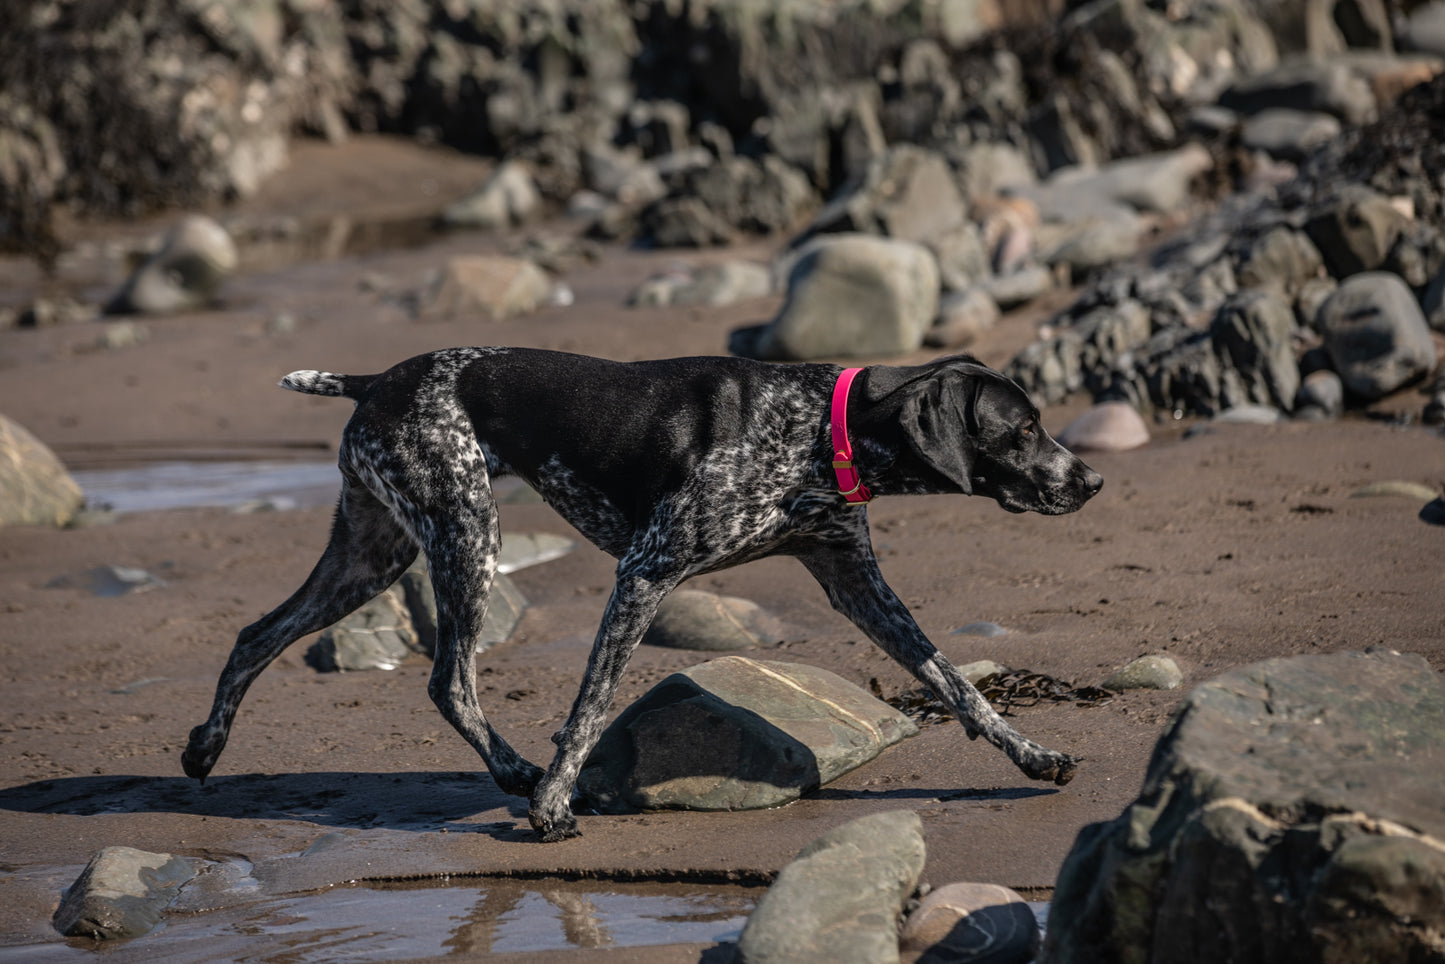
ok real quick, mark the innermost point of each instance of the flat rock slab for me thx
(121, 893)
(737, 734)
(1301, 800)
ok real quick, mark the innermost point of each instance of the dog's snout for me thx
(1093, 482)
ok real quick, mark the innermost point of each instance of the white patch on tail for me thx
(315, 383)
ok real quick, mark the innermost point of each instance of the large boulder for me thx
(1291, 813)
(737, 734)
(121, 893)
(184, 274)
(35, 488)
(840, 899)
(853, 295)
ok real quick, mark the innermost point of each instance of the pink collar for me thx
(850, 484)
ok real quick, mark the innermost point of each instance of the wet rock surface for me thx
(121, 894)
(1296, 798)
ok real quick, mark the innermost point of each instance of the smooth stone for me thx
(1107, 427)
(379, 635)
(962, 317)
(773, 731)
(1249, 415)
(1321, 395)
(522, 549)
(972, 923)
(186, 273)
(35, 488)
(840, 899)
(1150, 672)
(1375, 334)
(1289, 134)
(693, 619)
(507, 198)
(121, 894)
(492, 286)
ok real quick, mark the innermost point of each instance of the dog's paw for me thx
(1057, 768)
(553, 829)
(200, 755)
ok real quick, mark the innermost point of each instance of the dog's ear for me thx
(940, 423)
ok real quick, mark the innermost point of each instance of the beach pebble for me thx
(973, 923)
(1150, 672)
(1321, 396)
(693, 619)
(1107, 427)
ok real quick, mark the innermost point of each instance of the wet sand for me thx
(1235, 544)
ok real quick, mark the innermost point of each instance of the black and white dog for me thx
(676, 468)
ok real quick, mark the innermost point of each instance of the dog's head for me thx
(979, 431)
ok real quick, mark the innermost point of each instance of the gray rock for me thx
(109, 581)
(1253, 332)
(1289, 135)
(379, 635)
(1106, 427)
(908, 194)
(693, 619)
(1433, 302)
(1433, 512)
(35, 488)
(736, 195)
(773, 732)
(709, 286)
(981, 669)
(1156, 183)
(840, 899)
(1328, 87)
(962, 257)
(1058, 138)
(1019, 287)
(509, 197)
(854, 295)
(121, 894)
(1150, 672)
(493, 286)
(1355, 230)
(1091, 244)
(1299, 801)
(523, 549)
(1248, 415)
(1434, 411)
(1375, 334)
(1321, 395)
(1424, 28)
(184, 274)
(962, 317)
(982, 923)
(1281, 258)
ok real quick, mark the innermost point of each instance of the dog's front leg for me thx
(849, 574)
(629, 612)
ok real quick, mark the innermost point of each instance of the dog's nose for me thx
(1093, 482)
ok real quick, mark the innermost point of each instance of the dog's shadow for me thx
(394, 801)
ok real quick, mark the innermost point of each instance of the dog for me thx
(675, 467)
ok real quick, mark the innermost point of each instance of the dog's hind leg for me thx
(462, 547)
(849, 574)
(368, 550)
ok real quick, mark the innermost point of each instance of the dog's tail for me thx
(327, 383)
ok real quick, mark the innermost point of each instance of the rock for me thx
(1433, 302)
(35, 488)
(962, 317)
(185, 274)
(1424, 29)
(1321, 395)
(1289, 135)
(908, 194)
(1156, 183)
(1298, 799)
(1434, 412)
(509, 197)
(1331, 88)
(1375, 334)
(981, 628)
(109, 581)
(495, 286)
(379, 635)
(712, 286)
(982, 923)
(1150, 672)
(981, 669)
(1281, 258)
(1253, 332)
(1248, 415)
(692, 619)
(839, 900)
(523, 549)
(854, 295)
(1355, 230)
(1433, 512)
(737, 195)
(1107, 427)
(414, 591)
(1408, 490)
(1019, 287)
(963, 259)
(1091, 244)
(773, 732)
(121, 894)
